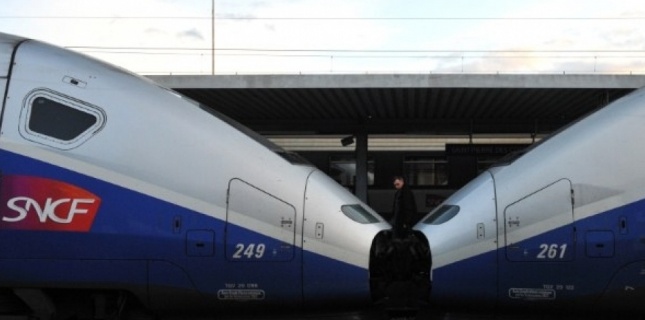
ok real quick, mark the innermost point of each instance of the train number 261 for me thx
(552, 251)
(249, 251)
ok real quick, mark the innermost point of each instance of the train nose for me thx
(338, 231)
(400, 270)
(462, 233)
(404, 270)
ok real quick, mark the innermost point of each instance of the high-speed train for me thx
(117, 194)
(119, 197)
(560, 226)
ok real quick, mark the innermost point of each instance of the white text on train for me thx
(22, 206)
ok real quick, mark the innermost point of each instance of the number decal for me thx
(259, 250)
(238, 251)
(552, 251)
(250, 251)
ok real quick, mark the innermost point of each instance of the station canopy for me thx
(404, 104)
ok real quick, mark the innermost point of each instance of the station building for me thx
(438, 130)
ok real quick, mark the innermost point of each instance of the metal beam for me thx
(512, 81)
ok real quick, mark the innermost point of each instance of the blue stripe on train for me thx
(606, 256)
(136, 241)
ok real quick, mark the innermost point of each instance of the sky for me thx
(342, 36)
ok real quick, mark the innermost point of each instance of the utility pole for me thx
(213, 36)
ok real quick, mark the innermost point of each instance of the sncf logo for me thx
(33, 203)
(23, 205)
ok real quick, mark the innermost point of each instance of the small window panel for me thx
(442, 214)
(59, 121)
(359, 214)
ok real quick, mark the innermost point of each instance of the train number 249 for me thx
(552, 251)
(249, 251)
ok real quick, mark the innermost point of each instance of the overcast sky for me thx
(343, 36)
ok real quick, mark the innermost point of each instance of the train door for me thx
(337, 236)
(539, 238)
(260, 247)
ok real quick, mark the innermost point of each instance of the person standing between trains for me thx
(404, 207)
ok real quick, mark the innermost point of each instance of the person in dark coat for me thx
(404, 208)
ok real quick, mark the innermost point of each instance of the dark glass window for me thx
(59, 121)
(425, 171)
(359, 214)
(442, 214)
(343, 170)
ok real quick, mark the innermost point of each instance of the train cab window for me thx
(359, 214)
(442, 214)
(426, 171)
(59, 121)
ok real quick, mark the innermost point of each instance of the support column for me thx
(361, 165)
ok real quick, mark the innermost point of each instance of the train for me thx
(120, 198)
(557, 226)
(123, 199)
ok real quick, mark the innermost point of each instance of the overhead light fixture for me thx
(347, 141)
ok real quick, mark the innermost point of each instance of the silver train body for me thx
(118, 194)
(115, 190)
(560, 226)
